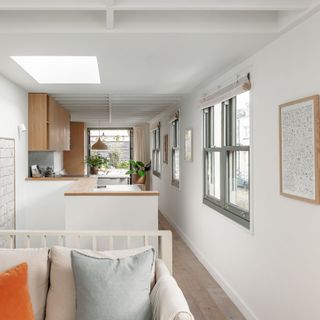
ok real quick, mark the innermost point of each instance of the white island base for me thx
(111, 212)
(115, 208)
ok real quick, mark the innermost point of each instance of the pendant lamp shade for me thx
(99, 145)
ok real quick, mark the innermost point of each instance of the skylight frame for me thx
(60, 69)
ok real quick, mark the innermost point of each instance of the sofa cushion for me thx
(38, 273)
(168, 301)
(15, 301)
(119, 288)
(62, 290)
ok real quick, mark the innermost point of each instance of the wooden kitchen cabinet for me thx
(49, 124)
(74, 160)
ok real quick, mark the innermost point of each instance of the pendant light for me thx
(99, 145)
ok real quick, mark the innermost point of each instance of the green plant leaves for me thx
(141, 173)
(96, 161)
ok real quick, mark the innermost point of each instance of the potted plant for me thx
(138, 171)
(95, 162)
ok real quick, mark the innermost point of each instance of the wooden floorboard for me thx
(205, 297)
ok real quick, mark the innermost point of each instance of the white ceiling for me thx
(150, 53)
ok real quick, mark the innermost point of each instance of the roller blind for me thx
(154, 125)
(174, 115)
(241, 85)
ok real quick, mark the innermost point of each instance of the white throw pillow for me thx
(61, 296)
(38, 273)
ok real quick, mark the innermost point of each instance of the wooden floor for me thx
(205, 297)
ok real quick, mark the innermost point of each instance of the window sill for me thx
(244, 223)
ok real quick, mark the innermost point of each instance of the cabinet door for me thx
(57, 128)
(73, 160)
(54, 125)
(37, 122)
(66, 131)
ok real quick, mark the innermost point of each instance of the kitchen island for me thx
(77, 203)
(115, 207)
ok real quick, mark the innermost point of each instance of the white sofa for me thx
(52, 290)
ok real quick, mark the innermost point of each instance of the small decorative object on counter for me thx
(35, 171)
(49, 172)
(138, 171)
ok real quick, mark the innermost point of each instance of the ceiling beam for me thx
(163, 5)
(110, 14)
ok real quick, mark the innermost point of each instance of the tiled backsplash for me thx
(46, 159)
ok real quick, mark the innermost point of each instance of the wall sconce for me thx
(21, 128)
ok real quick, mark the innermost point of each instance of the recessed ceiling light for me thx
(61, 69)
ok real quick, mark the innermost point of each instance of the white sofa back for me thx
(58, 300)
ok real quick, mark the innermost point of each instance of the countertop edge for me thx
(113, 193)
(53, 179)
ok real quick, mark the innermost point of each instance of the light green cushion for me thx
(113, 289)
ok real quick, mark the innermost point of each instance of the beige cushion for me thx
(61, 296)
(161, 269)
(167, 299)
(38, 273)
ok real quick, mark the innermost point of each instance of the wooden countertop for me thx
(86, 187)
(53, 179)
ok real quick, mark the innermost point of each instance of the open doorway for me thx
(116, 152)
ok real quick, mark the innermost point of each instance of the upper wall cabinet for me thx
(49, 124)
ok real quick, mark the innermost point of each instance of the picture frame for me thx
(188, 145)
(166, 149)
(35, 172)
(8, 186)
(299, 149)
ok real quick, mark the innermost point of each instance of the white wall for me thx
(274, 272)
(13, 111)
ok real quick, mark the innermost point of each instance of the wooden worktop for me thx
(86, 187)
(53, 179)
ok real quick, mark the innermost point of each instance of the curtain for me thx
(140, 148)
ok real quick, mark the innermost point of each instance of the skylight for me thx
(60, 69)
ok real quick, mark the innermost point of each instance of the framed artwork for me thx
(165, 148)
(7, 186)
(35, 172)
(299, 149)
(188, 145)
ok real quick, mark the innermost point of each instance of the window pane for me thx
(206, 128)
(177, 133)
(242, 119)
(230, 121)
(217, 125)
(158, 161)
(213, 174)
(118, 142)
(154, 160)
(154, 139)
(238, 173)
(175, 168)
(158, 139)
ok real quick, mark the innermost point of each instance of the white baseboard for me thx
(232, 294)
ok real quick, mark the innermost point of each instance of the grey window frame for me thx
(228, 134)
(156, 152)
(175, 148)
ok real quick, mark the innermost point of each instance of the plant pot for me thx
(136, 179)
(94, 170)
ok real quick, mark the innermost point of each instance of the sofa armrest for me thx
(161, 269)
(168, 301)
